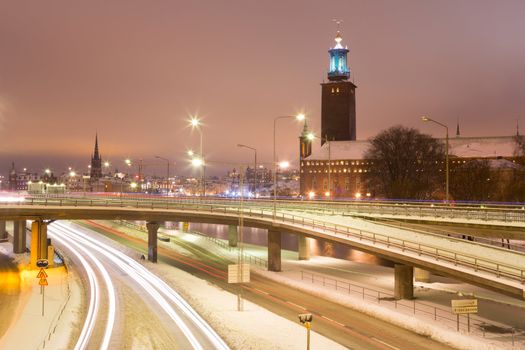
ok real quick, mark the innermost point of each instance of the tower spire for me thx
(96, 154)
(457, 129)
(338, 70)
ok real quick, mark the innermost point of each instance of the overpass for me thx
(486, 266)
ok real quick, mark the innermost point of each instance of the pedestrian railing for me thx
(439, 314)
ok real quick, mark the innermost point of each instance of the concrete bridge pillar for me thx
(304, 247)
(3, 232)
(421, 275)
(232, 235)
(274, 250)
(38, 241)
(404, 281)
(19, 236)
(152, 227)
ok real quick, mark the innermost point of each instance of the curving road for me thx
(128, 306)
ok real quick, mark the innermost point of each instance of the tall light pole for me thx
(254, 167)
(427, 119)
(168, 173)
(299, 117)
(195, 123)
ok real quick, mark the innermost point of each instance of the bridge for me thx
(487, 266)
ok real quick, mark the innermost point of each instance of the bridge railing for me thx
(457, 258)
(468, 211)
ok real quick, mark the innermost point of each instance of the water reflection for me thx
(259, 236)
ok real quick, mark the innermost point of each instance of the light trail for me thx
(83, 340)
(154, 286)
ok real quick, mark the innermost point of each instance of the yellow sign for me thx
(41, 274)
(465, 306)
(43, 282)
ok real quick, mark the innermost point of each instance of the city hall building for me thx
(337, 169)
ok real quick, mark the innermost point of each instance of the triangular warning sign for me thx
(41, 274)
(43, 282)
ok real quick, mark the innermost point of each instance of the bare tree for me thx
(406, 164)
(474, 181)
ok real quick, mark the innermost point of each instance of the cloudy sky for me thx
(133, 71)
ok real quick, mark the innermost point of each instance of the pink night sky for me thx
(135, 70)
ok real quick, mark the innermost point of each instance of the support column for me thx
(38, 241)
(3, 232)
(304, 247)
(404, 282)
(19, 236)
(274, 250)
(421, 275)
(232, 235)
(152, 227)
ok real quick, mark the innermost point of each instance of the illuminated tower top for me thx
(338, 62)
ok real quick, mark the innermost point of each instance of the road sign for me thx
(465, 306)
(234, 273)
(43, 282)
(41, 274)
(42, 263)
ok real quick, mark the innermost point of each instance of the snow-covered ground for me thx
(62, 307)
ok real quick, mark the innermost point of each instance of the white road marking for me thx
(382, 342)
(299, 306)
(334, 321)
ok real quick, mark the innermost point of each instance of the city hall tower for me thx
(338, 98)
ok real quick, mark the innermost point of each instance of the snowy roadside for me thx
(63, 307)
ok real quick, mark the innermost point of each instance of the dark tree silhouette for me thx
(406, 164)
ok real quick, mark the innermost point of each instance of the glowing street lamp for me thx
(298, 117)
(47, 171)
(195, 123)
(310, 136)
(72, 173)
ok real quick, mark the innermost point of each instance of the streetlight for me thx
(427, 119)
(306, 320)
(195, 123)
(254, 168)
(298, 117)
(168, 175)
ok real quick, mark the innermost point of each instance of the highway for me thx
(129, 307)
(343, 325)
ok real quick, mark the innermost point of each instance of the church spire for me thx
(457, 129)
(96, 154)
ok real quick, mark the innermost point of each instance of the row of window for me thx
(337, 162)
(339, 171)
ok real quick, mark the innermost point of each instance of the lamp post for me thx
(427, 119)
(195, 123)
(299, 117)
(254, 167)
(168, 172)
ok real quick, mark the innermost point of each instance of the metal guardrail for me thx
(439, 314)
(478, 264)
(499, 212)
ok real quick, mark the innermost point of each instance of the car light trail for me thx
(62, 238)
(152, 285)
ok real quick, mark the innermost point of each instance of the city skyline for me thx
(123, 71)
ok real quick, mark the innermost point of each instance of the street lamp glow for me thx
(327, 194)
(425, 118)
(133, 185)
(106, 164)
(358, 195)
(311, 194)
(128, 162)
(72, 173)
(190, 153)
(300, 117)
(195, 122)
(197, 162)
(310, 136)
(47, 171)
(284, 164)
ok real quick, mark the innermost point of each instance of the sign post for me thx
(43, 279)
(465, 306)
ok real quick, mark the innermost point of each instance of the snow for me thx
(463, 147)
